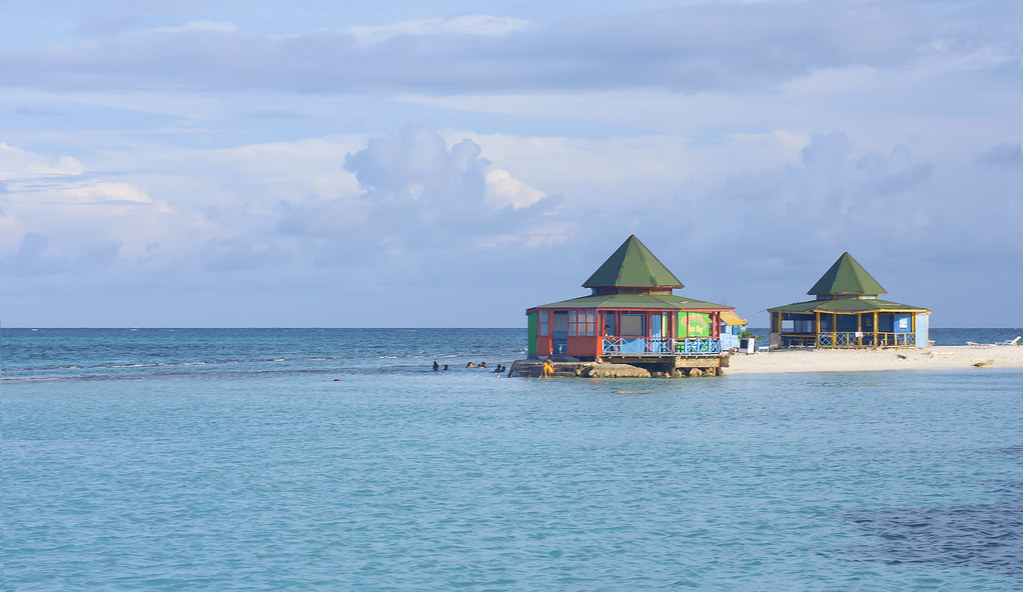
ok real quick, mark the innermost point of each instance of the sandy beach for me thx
(931, 358)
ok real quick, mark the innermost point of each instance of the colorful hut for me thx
(848, 313)
(631, 312)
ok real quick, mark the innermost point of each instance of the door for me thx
(559, 333)
(633, 336)
(656, 332)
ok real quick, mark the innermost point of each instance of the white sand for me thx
(849, 360)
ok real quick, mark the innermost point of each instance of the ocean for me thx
(336, 459)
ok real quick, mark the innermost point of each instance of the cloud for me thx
(36, 256)
(893, 174)
(872, 203)
(420, 198)
(418, 167)
(199, 222)
(193, 27)
(483, 25)
(1006, 155)
(20, 165)
(504, 190)
(683, 49)
(59, 217)
(240, 254)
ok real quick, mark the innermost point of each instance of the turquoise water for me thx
(336, 460)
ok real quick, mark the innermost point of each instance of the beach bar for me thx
(631, 316)
(847, 313)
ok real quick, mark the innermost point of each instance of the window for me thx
(632, 325)
(545, 317)
(582, 323)
(797, 326)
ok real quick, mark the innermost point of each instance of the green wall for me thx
(531, 327)
(693, 324)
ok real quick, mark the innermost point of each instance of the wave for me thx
(165, 372)
(114, 366)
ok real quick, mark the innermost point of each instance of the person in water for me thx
(445, 366)
(482, 365)
(436, 366)
(469, 365)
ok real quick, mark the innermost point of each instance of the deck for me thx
(642, 346)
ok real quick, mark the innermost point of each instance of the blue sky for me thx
(453, 163)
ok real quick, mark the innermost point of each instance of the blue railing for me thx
(639, 346)
(698, 345)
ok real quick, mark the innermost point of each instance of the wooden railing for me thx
(848, 339)
(864, 339)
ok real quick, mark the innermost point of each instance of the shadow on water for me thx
(1009, 451)
(984, 536)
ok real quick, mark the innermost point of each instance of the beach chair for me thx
(1012, 341)
(979, 345)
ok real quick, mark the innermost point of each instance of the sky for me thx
(450, 164)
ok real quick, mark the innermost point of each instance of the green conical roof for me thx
(632, 266)
(846, 276)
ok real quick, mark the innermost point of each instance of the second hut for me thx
(847, 312)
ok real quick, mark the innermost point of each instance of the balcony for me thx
(641, 346)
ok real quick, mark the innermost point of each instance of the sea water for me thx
(339, 460)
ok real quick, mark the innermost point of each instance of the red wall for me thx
(582, 346)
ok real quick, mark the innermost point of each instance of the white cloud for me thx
(604, 171)
(481, 25)
(503, 190)
(696, 48)
(75, 219)
(20, 165)
(108, 193)
(195, 27)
